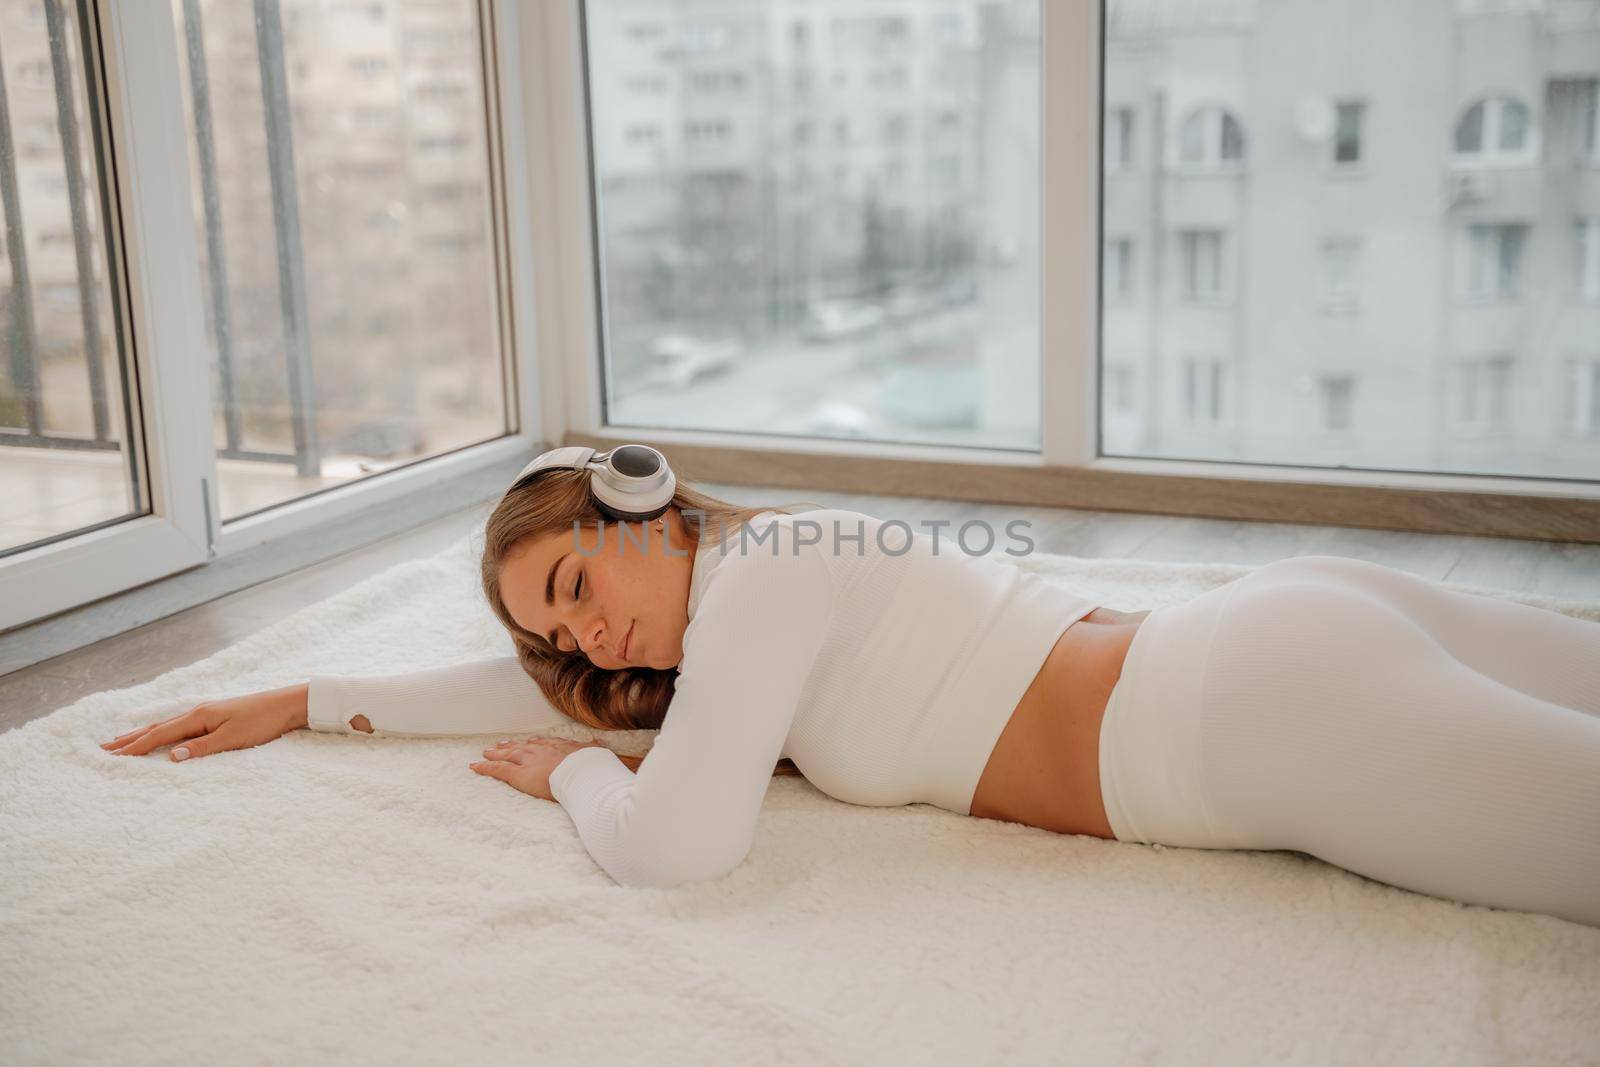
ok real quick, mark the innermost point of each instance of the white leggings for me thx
(1439, 741)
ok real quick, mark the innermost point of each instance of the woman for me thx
(1434, 740)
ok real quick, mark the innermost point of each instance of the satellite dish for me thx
(1313, 119)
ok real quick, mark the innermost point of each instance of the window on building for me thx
(1119, 138)
(1203, 389)
(1587, 232)
(1337, 393)
(1341, 270)
(1484, 392)
(1582, 396)
(1497, 128)
(1494, 260)
(1118, 268)
(707, 131)
(1211, 137)
(1349, 116)
(1203, 275)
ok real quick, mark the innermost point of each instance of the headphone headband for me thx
(630, 482)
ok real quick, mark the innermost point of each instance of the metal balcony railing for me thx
(22, 341)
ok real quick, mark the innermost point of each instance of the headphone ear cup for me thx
(633, 506)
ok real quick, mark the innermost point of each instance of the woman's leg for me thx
(1544, 653)
(1335, 724)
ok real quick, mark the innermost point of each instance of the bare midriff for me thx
(1045, 769)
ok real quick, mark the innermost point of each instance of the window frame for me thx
(1067, 470)
(1489, 155)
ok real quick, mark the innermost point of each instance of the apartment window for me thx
(1496, 129)
(1337, 394)
(1349, 117)
(705, 36)
(1494, 260)
(647, 85)
(1341, 267)
(641, 133)
(1582, 396)
(1587, 274)
(1119, 138)
(707, 131)
(370, 66)
(1203, 389)
(1118, 268)
(1484, 392)
(1203, 272)
(1211, 137)
(716, 81)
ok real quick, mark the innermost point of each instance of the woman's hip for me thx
(1265, 705)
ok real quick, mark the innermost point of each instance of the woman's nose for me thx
(593, 638)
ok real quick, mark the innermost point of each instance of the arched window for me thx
(1211, 137)
(1495, 127)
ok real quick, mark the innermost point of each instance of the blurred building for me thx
(1354, 234)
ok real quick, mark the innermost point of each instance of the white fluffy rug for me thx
(343, 898)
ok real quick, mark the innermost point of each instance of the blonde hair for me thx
(633, 698)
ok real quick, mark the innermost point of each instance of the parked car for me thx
(836, 418)
(832, 320)
(676, 361)
(912, 304)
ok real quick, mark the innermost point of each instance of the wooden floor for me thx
(1569, 571)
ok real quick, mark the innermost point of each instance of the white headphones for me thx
(630, 482)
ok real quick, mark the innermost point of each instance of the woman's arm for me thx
(485, 696)
(690, 812)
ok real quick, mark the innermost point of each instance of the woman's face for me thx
(605, 591)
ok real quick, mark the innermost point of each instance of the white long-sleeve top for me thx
(885, 666)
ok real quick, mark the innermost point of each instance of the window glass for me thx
(65, 461)
(1347, 134)
(843, 239)
(1366, 217)
(339, 160)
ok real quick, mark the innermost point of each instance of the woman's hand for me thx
(526, 765)
(219, 725)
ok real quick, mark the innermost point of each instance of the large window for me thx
(339, 160)
(250, 255)
(1381, 226)
(837, 233)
